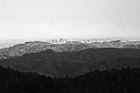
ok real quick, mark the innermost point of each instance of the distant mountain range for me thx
(69, 46)
(70, 58)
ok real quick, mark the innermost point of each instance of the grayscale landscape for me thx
(69, 46)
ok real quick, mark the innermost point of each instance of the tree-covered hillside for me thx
(51, 63)
(114, 81)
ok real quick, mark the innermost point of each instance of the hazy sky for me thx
(38, 19)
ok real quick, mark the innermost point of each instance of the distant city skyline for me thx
(79, 19)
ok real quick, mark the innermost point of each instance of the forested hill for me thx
(51, 63)
(114, 81)
(10, 78)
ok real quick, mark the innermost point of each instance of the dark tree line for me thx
(126, 80)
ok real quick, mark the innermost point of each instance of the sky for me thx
(46, 19)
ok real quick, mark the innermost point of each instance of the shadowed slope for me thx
(54, 63)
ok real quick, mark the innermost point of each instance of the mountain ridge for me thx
(58, 64)
(37, 46)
